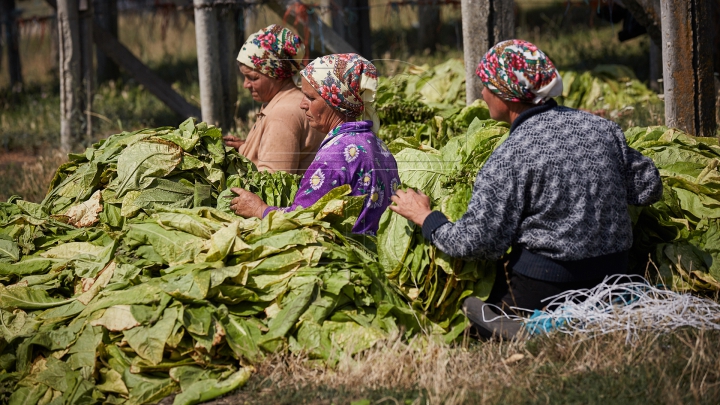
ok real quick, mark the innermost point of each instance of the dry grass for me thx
(27, 175)
(680, 368)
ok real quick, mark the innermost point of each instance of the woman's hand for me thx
(414, 206)
(247, 204)
(233, 141)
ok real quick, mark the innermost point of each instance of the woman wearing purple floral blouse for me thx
(339, 91)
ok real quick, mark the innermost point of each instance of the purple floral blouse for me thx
(351, 154)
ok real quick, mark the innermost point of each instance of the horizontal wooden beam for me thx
(143, 74)
(107, 43)
(647, 13)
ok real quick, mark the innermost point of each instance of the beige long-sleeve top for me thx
(281, 138)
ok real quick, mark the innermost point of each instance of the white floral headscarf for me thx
(347, 82)
(516, 70)
(274, 51)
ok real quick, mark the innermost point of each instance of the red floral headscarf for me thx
(517, 70)
(274, 51)
(347, 82)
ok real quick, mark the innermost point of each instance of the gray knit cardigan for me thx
(557, 191)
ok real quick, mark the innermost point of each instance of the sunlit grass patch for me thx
(679, 368)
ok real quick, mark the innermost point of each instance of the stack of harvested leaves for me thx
(186, 167)
(124, 287)
(434, 282)
(607, 90)
(428, 103)
(682, 231)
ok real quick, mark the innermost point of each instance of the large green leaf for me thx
(293, 306)
(175, 247)
(394, 238)
(424, 171)
(28, 298)
(149, 342)
(142, 162)
(9, 251)
(205, 390)
(160, 193)
(17, 324)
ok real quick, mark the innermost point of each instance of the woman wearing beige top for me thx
(281, 138)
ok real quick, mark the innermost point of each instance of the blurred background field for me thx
(571, 33)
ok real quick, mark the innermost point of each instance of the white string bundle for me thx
(623, 303)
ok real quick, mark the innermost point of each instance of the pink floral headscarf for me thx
(347, 82)
(517, 70)
(274, 51)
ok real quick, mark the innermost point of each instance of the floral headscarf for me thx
(517, 70)
(274, 51)
(347, 82)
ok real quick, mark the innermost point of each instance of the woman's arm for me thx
(642, 178)
(233, 142)
(412, 205)
(491, 222)
(247, 204)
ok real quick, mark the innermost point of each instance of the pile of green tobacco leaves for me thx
(677, 240)
(607, 90)
(427, 104)
(182, 167)
(681, 233)
(125, 285)
(436, 283)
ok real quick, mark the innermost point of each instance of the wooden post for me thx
(428, 24)
(503, 20)
(484, 23)
(109, 44)
(86, 61)
(70, 73)
(12, 41)
(106, 17)
(656, 66)
(476, 41)
(227, 28)
(351, 22)
(687, 66)
(206, 34)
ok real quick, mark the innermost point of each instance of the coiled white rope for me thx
(622, 303)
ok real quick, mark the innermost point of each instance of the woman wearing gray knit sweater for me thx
(556, 191)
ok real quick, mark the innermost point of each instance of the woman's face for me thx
(319, 114)
(262, 87)
(498, 109)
